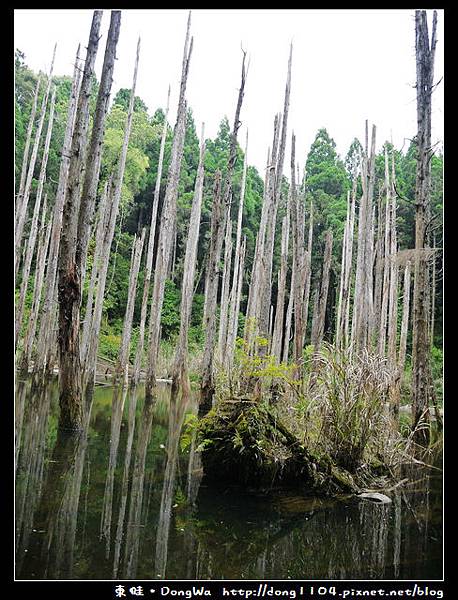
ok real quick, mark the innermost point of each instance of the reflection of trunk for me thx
(33, 423)
(117, 407)
(136, 493)
(176, 416)
(125, 480)
(56, 517)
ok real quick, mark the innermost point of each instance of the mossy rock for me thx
(245, 442)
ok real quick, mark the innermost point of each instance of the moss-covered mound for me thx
(245, 442)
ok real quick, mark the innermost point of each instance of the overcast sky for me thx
(348, 65)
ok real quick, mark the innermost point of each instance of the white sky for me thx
(348, 65)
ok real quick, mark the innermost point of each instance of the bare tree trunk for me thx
(433, 293)
(318, 330)
(23, 201)
(216, 241)
(45, 342)
(70, 391)
(277, 337)
(114, 197)
(404, 322)
(43, 244)
(165, 241)
(25, 157)
(94, 156)
(149, 256)
(386, 270)
(96, 266)
(238, 270)
(180, 377)
(34, 225)
(289, 311)
(422, 388)
(123, 357)
(224, 303)
(393, 303)
(344, 299)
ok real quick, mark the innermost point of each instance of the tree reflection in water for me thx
(122, 501)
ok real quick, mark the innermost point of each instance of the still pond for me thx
(124, 501)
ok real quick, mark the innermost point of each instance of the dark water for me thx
(123, 501)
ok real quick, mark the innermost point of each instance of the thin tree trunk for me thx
(224, 303)
(70, 391)
(149, 256)
(25, 157)
(386, 270)
(405, 321)
(34, 225)
(318, 330)
(123, 358)
(94, 156)
(23, 201)
(168, 218)
(238, 266)
(48, 314)
(180, 377)
(114, 197)
(232, 334)
(422, 385)
(216, 241)
(43, 244)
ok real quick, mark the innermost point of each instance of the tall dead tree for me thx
(224, 302)
(180, 377)
(165, 241)
(322, 295)
(23, 200)
(94, 155)
(47, 330)
(222, 199)
(422, 385)
(385, 262)
(34, 224)
(123, 356)
(234, 301)
(25, 157)
(111, 214)
(149, 255)
(69, 291)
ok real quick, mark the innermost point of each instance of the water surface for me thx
(122, 501)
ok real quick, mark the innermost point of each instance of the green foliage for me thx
(170, 316)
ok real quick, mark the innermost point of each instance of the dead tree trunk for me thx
(149, 256)
(238, 270)
(46, 337)
(318, 329)
(25, 157)
(114, 197)
(422, 386)
(165, 241)
(180, 377)
(70, 392)
(23, 201)
(94, 156)
(216, 241)
(123, 357)
(385, 262)
(224, 303)
(34, 225)
(404, 322)
(43, 244)
(277, 337)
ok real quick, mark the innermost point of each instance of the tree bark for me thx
(149, 256)
(23, 201)
(318, 329)
(422, 386)
(34, 225)
(69, 291)
(165, 241)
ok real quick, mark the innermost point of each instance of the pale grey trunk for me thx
(168, 217)
(34, 224)
(224, 304)
(69, 291)
(318, 329)
(46, 340)
(23, 201)
(385, 262)
(149, 256)
(123, 357)
(94, 156)
(422, 386)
